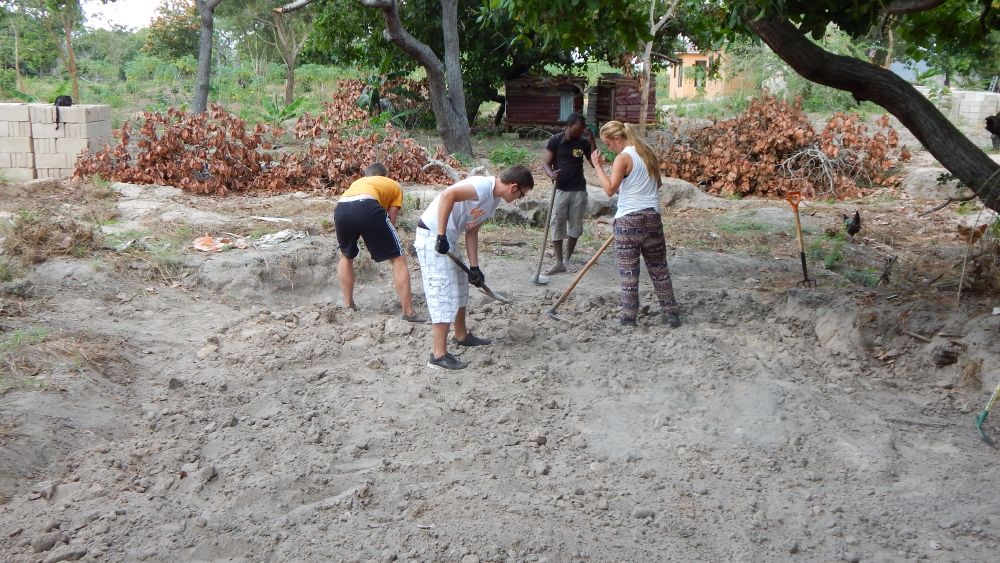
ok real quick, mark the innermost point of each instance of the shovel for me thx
(583, 270)
(794, 198)
(539, 279)
(986, 412)
(483, 287)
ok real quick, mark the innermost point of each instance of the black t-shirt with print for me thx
(569, 158)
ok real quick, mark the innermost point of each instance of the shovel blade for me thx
(541, 280)
(979, 426)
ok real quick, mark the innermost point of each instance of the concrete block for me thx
(56, 173)
(56, 160)
(14, 112)
(4, 160)
(15, 144)
(19, 174)
(22, 160)
(47, 131)
(85, 113)
(44, 146)
(73, 147)
(42, 113)
(88, 130)
(21, 128)
(15, 128)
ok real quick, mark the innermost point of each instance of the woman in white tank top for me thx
(635, 177)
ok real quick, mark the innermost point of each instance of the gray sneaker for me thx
(447, 361)
(471, 340)
(672, 320)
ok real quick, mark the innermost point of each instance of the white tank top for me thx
(638, 190)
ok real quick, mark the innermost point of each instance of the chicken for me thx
(971, 234)
(993, 126)
(853, 226)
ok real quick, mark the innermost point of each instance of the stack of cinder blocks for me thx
(33, 145)
(17, 156)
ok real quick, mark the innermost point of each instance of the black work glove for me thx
(442, 245)
(476, 276)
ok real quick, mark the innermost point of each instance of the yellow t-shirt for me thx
(386, 191)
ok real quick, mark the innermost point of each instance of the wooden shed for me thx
(618, 98)
(543, 100)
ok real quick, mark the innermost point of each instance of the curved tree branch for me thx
(897, 7)
(292, 6)
(869, 82)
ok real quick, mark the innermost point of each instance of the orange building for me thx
(689, 77)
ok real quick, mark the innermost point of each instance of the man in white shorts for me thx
(461, 208)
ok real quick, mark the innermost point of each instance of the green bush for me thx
(509, 155)
(8, 80)
(143, 67)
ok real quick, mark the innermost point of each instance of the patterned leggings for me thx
(642, 232)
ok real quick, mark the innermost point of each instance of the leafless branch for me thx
(292, 6)
(944, 204)
(897, 7)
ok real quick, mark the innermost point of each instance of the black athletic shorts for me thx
(367, 219)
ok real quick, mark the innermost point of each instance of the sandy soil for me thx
(228, 409)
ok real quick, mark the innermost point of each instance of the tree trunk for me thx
(289, 49)
(17, 61)
(647, 57)
(444, 82)
(206, 9)
(870, 82)
(71, 56)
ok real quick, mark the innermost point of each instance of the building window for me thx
(700, 72)
(565, 104)
(679, 69)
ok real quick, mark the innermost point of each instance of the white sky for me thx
(129, 13)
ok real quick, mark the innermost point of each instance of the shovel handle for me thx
(545, 237)
(583, 271)
(483, 287)
(794, 198)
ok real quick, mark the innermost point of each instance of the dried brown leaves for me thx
(772, 149)
(215, 152)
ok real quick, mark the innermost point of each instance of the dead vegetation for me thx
(33, 237)
(216, 153)
(772, 148)
(28, 352)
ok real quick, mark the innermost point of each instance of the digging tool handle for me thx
(483, 287)
(986, 410)
(545, 237)
(794, 198)
(583, 271)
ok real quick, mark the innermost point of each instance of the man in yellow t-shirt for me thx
(368, 210)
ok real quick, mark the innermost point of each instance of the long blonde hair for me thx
(617, 129)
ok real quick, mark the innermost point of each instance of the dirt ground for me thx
(162, 404)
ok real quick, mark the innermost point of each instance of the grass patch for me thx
(35, 237)
(830, 252)
(509, 155)
(869, 277)
(19, 357)
(8, 271)
(735, 226)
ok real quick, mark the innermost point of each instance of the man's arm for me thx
(472, 245)
(550, 158)
(452, 195)
(393, 212)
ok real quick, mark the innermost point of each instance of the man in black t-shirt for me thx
(564, 156)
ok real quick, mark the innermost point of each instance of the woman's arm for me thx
(619, 169)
